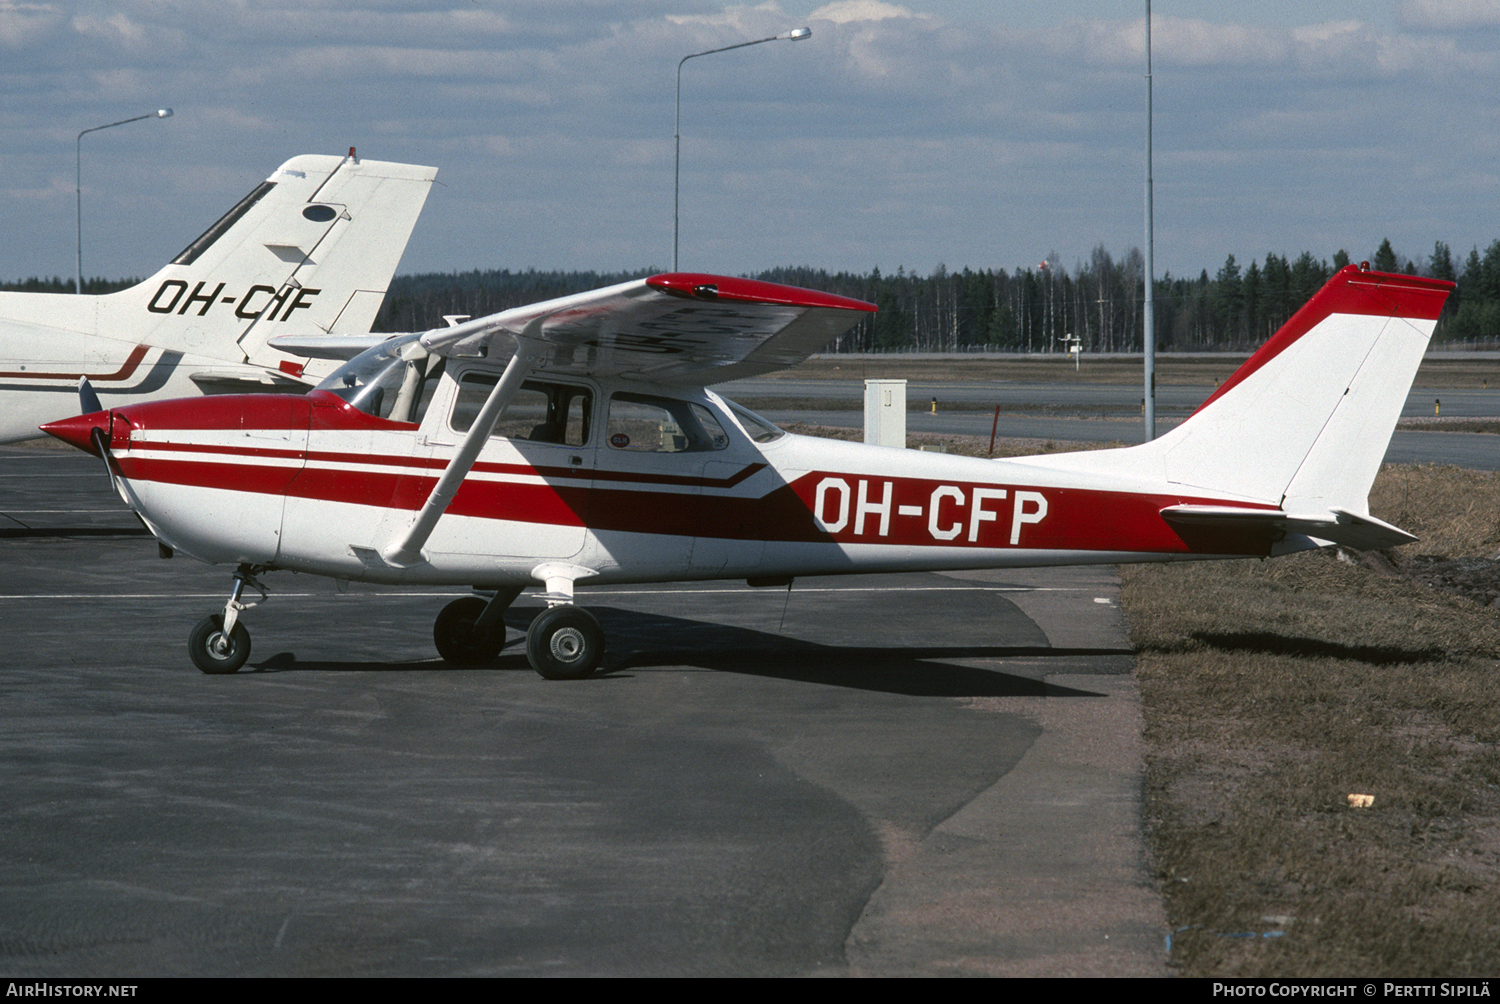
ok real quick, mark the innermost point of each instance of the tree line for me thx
(1099, 302)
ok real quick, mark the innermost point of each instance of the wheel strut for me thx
(243, 576)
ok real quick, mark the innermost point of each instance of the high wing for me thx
(674, 328)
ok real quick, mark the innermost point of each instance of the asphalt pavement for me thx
(886, 775)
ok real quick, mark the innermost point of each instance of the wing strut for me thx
(407, 549)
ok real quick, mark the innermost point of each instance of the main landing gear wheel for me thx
(215, 652)
(458, 641)
(564, 643)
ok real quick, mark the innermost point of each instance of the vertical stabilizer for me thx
(1303, 425)
(1305, 422)
(309, 252)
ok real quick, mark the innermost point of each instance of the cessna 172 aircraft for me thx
(573, 442)
(310, 251)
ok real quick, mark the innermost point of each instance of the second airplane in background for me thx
(310, 251)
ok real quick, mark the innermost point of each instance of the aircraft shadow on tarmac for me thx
(640, 640)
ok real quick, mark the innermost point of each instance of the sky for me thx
(961, 133)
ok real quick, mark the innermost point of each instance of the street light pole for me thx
(795, 35)
(160, 113)
(1148, 321)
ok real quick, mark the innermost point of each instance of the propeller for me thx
(88, 401)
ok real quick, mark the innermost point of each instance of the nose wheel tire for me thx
(456, 638)
(565, 643)
(215, 652)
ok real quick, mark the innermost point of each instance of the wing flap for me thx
(246, 381)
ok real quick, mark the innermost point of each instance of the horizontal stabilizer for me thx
(1338, 526)
(343, 347)
(246, 381)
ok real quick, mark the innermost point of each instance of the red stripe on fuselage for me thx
(125, 372)
(922, 512)
(439, 463)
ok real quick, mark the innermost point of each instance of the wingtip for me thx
(702, 286)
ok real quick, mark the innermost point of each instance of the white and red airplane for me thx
(311, 250)
(574, 443)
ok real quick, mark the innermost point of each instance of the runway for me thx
(1095, 413)
(886, 775)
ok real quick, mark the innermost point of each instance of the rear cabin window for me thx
(646, 424)
(538, 413)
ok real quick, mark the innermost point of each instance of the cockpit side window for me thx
(538, 413)
(643, 423)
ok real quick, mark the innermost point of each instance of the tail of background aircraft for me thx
(310, 251)
(1304, 424)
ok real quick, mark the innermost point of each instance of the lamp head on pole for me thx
(798, 34)
(164, 113)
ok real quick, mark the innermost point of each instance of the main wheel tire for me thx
(456, 638)
(565, 643)
(212, 651)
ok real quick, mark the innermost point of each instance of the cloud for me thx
(1449, 15)
(854, 11)
(25, 24)
(903, 133)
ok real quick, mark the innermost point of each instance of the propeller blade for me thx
(88, 401)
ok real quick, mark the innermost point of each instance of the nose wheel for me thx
(215, 650)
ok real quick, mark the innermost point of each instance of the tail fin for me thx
(310, 251)
(1305, 422)
(1298, 432)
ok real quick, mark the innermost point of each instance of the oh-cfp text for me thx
(952, 513)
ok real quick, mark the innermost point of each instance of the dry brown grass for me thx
(1274, 689)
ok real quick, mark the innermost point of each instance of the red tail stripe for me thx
(1351, 291)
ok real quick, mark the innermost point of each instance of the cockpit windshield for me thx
(394, 380)
(757, 428)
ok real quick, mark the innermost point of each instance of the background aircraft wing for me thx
(681, 328)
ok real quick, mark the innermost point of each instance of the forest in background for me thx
(1099, 301)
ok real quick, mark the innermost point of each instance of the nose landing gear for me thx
(219, 643)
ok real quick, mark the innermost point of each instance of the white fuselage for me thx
(315, 485)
